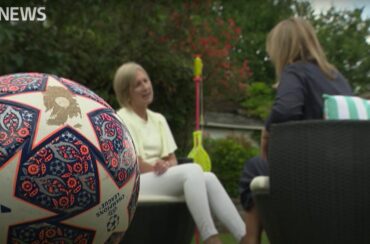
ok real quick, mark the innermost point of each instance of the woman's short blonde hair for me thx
(293, 40)
(124, 80)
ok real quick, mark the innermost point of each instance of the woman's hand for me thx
(161, 166)
(144, 166)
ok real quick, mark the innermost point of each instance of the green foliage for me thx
(228, 157)
(199, 27)
(87, 40)
(256, 18)
(258, 100)
(228, 238)
(343, 35)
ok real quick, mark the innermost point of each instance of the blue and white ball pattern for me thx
(68, 168)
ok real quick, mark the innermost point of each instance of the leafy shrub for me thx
(258, 100)
(228, 156)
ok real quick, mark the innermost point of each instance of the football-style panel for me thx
(60, 175)
(131, 207)
(17, 126)
(117, 148)
(82, 90)
(22, 82)
(68, 168)
(48, 232)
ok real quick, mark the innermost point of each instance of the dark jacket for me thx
(299, 94)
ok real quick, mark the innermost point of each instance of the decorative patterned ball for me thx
(68, 169)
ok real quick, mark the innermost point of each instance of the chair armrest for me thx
(160, 219)
(260, 184)
(158, 199)
(185, 160)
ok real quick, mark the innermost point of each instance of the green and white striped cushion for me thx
(346, 107)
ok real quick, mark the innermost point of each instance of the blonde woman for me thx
(303, 75)
(160, 173)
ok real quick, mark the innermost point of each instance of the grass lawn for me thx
(227, 238)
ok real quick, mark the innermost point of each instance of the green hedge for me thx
(228, 156)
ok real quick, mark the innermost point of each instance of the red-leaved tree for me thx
(199, 28)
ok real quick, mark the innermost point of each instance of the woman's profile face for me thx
(141, 92)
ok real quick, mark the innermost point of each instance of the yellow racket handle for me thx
(198, 67)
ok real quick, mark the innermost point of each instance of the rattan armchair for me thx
(319, 185)
(160, 219)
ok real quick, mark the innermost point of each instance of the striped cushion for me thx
(346, 107)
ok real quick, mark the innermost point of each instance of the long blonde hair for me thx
(293, 40)
(123, 81)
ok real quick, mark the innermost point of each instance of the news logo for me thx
(16, 14)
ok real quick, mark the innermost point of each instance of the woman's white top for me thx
(152, 138)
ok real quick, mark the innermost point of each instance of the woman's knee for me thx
(255, 166)
(192, 170)
(210, 177)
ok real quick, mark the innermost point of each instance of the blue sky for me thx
(322, 5)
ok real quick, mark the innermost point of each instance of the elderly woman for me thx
(156, 148)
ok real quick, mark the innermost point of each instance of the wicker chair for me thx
(160, 219)
(319, 185)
